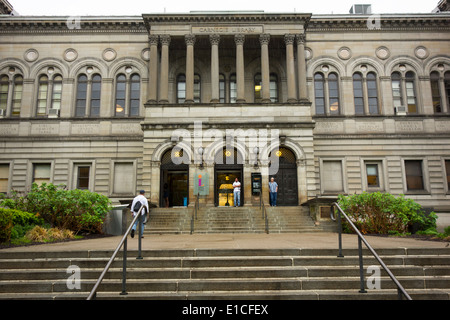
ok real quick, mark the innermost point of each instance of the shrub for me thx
(76, 210)
(383, 213)
(6, 225)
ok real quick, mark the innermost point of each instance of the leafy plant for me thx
(383, 213)
(6, 225)
(76, 210)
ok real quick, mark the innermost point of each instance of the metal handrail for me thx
(264, 213)
(194, 214)
(123, 243)
(361, 238)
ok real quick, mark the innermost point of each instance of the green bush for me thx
(76, 210)
(383, 213)
(6, 225)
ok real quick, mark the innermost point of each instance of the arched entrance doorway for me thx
(285, 176)
(174, 178)
(228, 165)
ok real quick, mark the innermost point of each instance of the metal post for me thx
(139, 257)
(124, 269)
(361, 267)
(340, 255)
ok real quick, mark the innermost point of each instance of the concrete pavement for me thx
(234, 241)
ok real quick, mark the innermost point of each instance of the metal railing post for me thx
(361, 267)
(141, 232)
(124, 269)
(339, 221)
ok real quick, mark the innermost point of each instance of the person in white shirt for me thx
(237, 192)
(134, 210)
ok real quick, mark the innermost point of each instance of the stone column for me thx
(303, 93)
(240, 78)
(214, 39)
(265, 69)
(290, 65)
(164, 77)
(153, 69)
(190, 41)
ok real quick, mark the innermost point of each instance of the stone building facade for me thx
(183, 104)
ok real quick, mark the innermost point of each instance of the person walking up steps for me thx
(142, 200)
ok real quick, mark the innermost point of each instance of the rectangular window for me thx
(332, 178)
(41, 173)
(4, 178)
(373, 177)
(83, 173)
(414, 175)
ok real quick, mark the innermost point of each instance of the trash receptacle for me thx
(185, 201)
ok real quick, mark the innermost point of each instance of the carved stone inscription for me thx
(45, 129)
(227, 30)
(9, 130)
(409, 126)
(85, 129)
(370, 127)
(329, 127)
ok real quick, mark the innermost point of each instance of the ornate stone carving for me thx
(239, 39)
(264, 38)
(189, 39)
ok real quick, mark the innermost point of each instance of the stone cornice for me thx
(226, 17)
(380, 22)
(32, 24)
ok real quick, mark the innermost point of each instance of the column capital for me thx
(289, 38)
(189, 39)
(153, 39)
(264, 38)
(214, 39)
(239, 39)
(165, 39)
(301, 38)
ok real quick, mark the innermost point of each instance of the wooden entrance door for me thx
(286, 177)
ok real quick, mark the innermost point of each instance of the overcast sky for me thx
(138, 7)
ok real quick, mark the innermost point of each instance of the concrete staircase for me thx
(229, 220)
(169, 221)
(234, 220)
(263, 274)
(294, 220)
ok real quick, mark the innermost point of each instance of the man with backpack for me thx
(138, 202)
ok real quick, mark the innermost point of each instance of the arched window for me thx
(4, 88)
(319, 92)
(333, 90)
(396, 79)
(435, 92)
(181, 88)
(447, 88)
(96, 92)
(358, 94)
(56, 93)
(135, 94)
(81, 98)
(326, 91)
(410, 79)
(88, 96)
(372, 93)
(365, 97)
(42, 95)
(121, 93)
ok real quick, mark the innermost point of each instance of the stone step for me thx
(224, 273)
